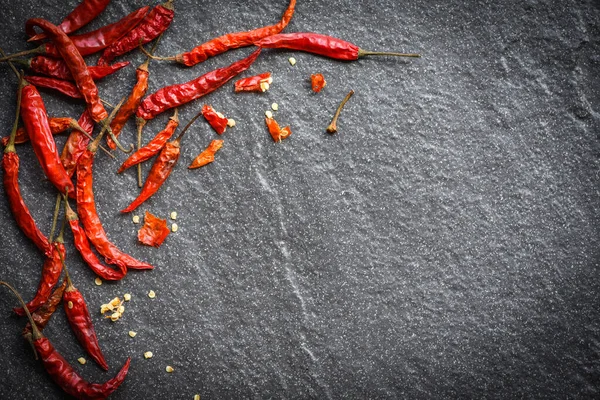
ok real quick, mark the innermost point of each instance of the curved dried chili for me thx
(65, 87)
(57, 68)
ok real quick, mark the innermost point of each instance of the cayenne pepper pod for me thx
(258, 83)
(61, 371)
(207, 156)
(57, 125)
(76, 143)
(177, 95)
(216, 120)
(65, 87)
(42, 315)
(57, 68)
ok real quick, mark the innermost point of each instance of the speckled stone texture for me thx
(444, 244)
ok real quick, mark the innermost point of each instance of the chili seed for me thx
(220, 115)
(173, 214)
(115, 317)
(98, 281)
(115, 302)
(105, 307)
(121, 310)
(275, 106)
(174, 228)
(148, 354)
(136, 219)
(169, 369)
(231, 122)
(268, 114)
(292, 61)
(127, 296)
(264, 86)
(197, 397)
(81, 360)
(132, 333)
(151, 294)
(70, 304)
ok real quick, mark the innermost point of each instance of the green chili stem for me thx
(36, 332)
(55, 217)
(362, 53)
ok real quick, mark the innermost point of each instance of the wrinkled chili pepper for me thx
(277, 133)
(80, 321)
(323, 45)
(86, 209)
(231, 41)
(176, 95)
(207, 156)
(160, 171)
(154, 146)
(57, 68)
(85, 12)
(216, 120)
(83, 246)
(332, 128)
(317, 82)
(35, 120)
(61, 371)
(155, 23)
(65, 87)
(57, 125)
(257, 83)
(42, 315)
(76, 144)
(154, 232)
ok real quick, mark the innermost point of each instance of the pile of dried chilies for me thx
(60, 65)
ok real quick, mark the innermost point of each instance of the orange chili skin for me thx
(57, 68)
(76, 144)
(315, 43)
(133, 102)
(153, 147)
(277, 133)
(77, 66)
(50, 275)
(176, 95)
(83, 246)
(252, 83)
(35, 120)
(57, 125)
(161, 169)
(65, 376)
(85, 12)
(80, 321)
(234, 40)
(65, 87)
(154, 232)
(155, 23)
(317, 81)
(219, 124)
(207, 156)
(42, 315)
(86, 209)
(10, 164)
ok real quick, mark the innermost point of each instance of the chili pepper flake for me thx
(258, 83)
(318, 82)
(277, 133)
(154, 232)
(81, 360)
(207, 156)
(151, 294)
(216, 120)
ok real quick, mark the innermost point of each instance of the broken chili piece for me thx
(42, 315)
(154, 232)
(207, 156)
(317, 81)
(258, 83)
(216, 120)
(277, 133)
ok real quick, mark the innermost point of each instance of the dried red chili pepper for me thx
(155, 23)
(323, 45)
(57, 125)
(76, 144)
(216, 120)
(35, 120)
(258, 83)
(160, 171)
(57, 68)
(85, 12)
(231, 41)
(176, 95)
(42, 315)
(332, 128)
(207, 156)
(277, 133)
(318, 82)
(83, 246)
(65, 87)
(154, 232)
(154, 146)
(86, 209)
(61, 371)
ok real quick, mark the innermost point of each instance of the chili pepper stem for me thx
(106, 103)
(141, 122)
(10, 147)
(332, 128)
(114, 138)
(362, 53)
(78, 128)
(36, 332)
(153, 57)
(94, 144)
(38, 50)
(55, 217)
(11, 64)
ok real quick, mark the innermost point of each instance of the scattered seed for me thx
(220, 115)
(169, 369)
(98, 281)
(132, 333)
(268, 114)
(115, 317)
(264, 86)
(151, 294)
(81, 360)
(173, 214)
(121, 310)
(136, 219)
(105, 307)
(231, 122)
(115, 302)
(70, 304)
(174, 228)
(197, 397)
(127, 296)
(292, 61)
(275, 106)
(148, 354)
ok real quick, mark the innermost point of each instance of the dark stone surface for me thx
(443, 244)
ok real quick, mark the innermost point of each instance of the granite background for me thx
(444, 244)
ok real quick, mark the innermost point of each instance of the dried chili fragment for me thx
(258, 83)
(57, 68)
(42, 315)
(207, 156)
(76, 143)
(317, 82)
(216, 120)
(154, 232)
(277, 133)
(65, 87)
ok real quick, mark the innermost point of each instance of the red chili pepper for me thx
(57, 68)
(257, 83)
(154, 232)
(176, 95)
(160, 171)
(277, 133)
(207, 156)
(86, 209)
(35, 120)
(155, 23)
(80, 321)
(318, 82)
(154, 146)
(65, 87)
(85, 12)
(231, 41)
(216, 120)
(83, 246)
(326, 46)
(57, 125)
(76, 144)
(77, 66)
(42, 315)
